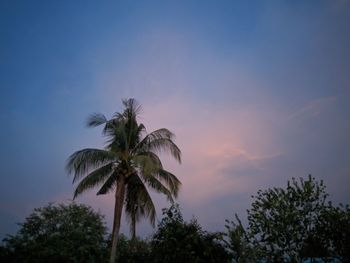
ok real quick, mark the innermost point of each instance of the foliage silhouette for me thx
(237, 242)
(62, 233)
(180, 241)
(282, 221)
(128, 161)
(133, 251)
(291, 224)
(334, 231)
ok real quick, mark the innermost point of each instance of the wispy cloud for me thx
(212, 141)
(313, 108)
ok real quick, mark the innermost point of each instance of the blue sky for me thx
(256, 91)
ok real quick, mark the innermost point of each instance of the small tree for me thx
(179, 241)
(282, 222)
(61, 233)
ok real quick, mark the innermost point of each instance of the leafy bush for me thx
(61, 233)
(132, 251)
(334, 231)
(179, 241)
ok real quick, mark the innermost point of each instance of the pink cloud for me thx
(212, 141)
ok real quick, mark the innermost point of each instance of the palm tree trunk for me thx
(118, 208)
(133, 226)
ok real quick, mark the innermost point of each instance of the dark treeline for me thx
(293, 224)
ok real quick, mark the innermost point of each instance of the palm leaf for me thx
(93, 179)
(165, 145)
(157, 186)
(109, 184)
(138, 201)
(159, 141)
(170, 180)
(132, 108)
(83, 161)
(147, 164)
(96, 119)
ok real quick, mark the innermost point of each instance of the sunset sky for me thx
(257, 92)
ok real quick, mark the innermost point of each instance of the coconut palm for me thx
(128, 165)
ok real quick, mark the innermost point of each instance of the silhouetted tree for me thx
(62, 233)
(130, 155)
(178, 241)
(282, 222)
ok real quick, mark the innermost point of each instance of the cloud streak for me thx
(228, 151)
(211, 144)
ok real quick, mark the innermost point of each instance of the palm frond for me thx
(123, 130)
(132, 108)
(170, 180)
(165, 145)
(83, 161)
(93, 179)
(161, 133)
(151, 157)
(122, 134)
(109, 184)
(134, 133)
(160, 140)
(157, 186)
(147, 163)
(116, 133)
(96, 119)
(138, 201)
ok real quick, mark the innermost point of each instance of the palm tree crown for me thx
(128, 164)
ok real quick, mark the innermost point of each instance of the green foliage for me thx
(334, 231)
(282, 221)
(133, 251)
(180, 241)
(62, 233)
(292, 225)
(238, 243)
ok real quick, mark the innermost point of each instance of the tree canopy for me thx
(59, 233)
(291, 224)
(282, 221)
(179, 241)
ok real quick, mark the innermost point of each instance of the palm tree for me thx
(129, 164)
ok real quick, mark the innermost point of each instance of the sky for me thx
(257, 92)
